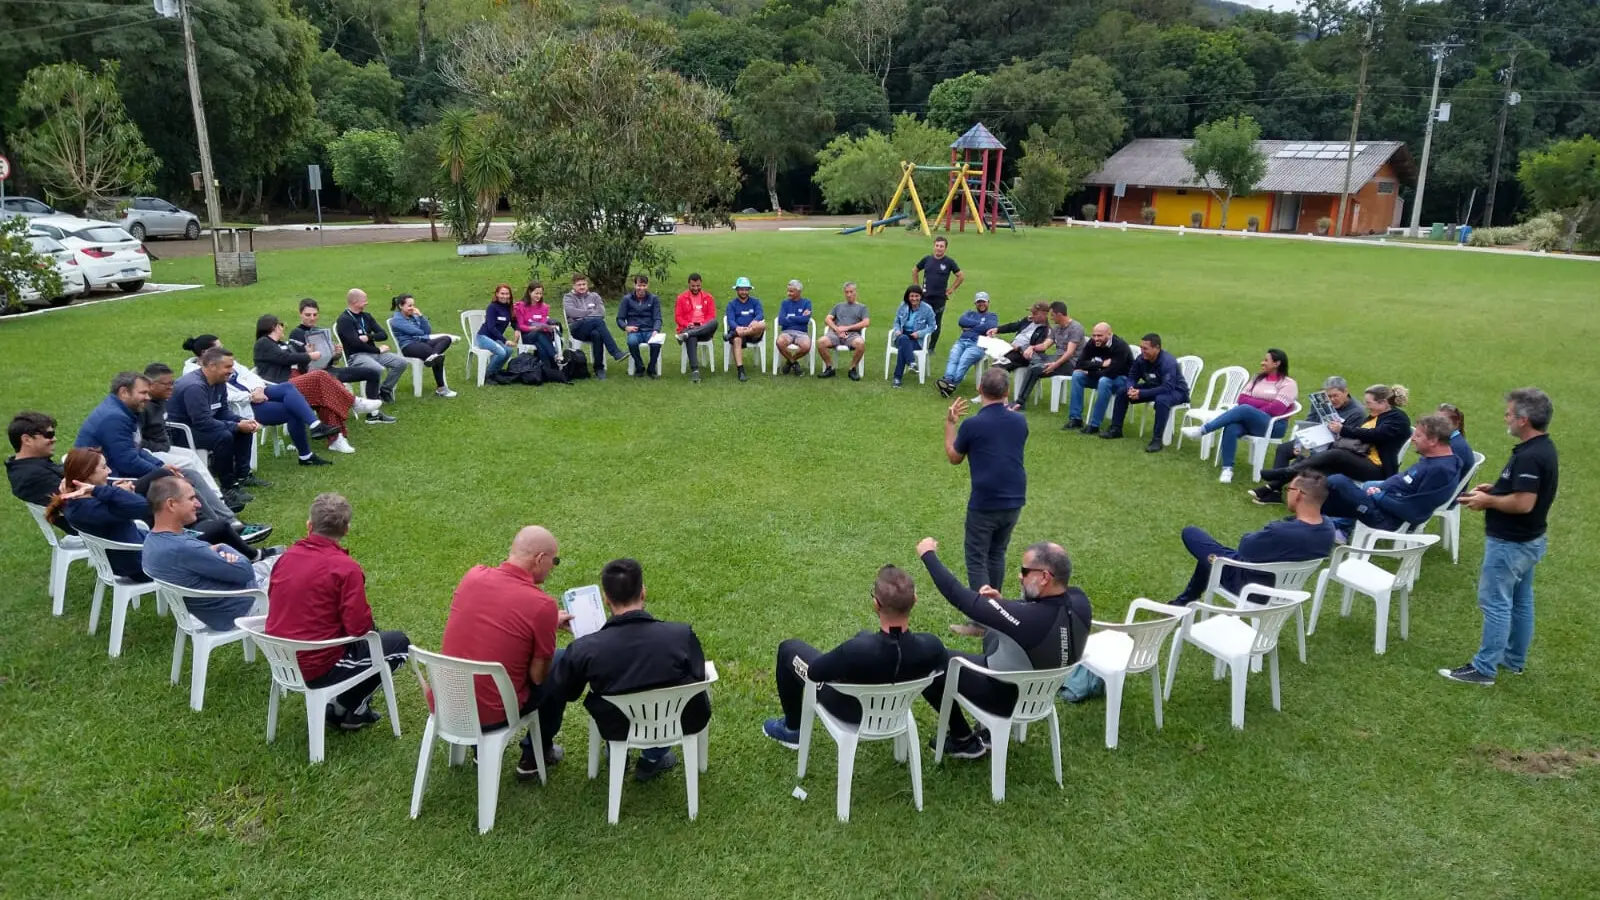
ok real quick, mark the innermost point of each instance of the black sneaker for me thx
(528, 765)
(647, 770)
(431, 359)
(1265, 496)
(970, 747)
(1090, 430)
(255, 534)
(252, 481)
(897, 382)
(386, 395)
(1515, 671)
(357, 719)
(233, 503)
(827, 372)
(695, 376)
(1111, 434)
(1468, 674)
(378, 418)
(314, 460)
(599, 375)
(742, 375)
(639, 372)
(945, 388)
(268, 553)
(320, 431)
(854, 375)
(1153, 447)
(1073, 425)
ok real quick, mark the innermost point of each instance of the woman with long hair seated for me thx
(93, 505)
(491, 334)
(253, 397)
(1366, 452)
(1272, 393)
(414, 334)
(532, 319)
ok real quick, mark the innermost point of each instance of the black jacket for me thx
(1039, 336)
(1110, 361)
(34, 480)
(349, 327)
(632, 652)
(153, 427)
(1387, 434)
(277, 362)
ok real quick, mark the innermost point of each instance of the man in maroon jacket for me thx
(319, 593)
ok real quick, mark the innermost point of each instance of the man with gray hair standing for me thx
(991, 443)
(1515, 508)
(319, 593)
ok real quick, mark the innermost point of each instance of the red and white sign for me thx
(5, 168)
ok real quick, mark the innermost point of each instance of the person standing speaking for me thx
(992, 444)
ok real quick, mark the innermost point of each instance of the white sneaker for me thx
(444, 392)
(1192, 432)
(1227, 476)
(367, 407)
(340, 445)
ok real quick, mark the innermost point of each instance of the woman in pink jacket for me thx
(532, 320)
(1270, 394)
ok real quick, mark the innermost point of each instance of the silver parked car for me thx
(26, 207)
(148, 217)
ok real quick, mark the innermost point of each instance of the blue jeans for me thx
(907, 355)
(286, 406)
(1348, 499)
(594, 332)
(963, 356)
(543, 343)
(1239, 421)
(1103, 392)
(1505, 594)
(635, 339)
(500, 351)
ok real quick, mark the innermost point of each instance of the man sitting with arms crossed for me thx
(794, 330)
(1153, 378)
(361, 334)
(639, 317)
(173, 555)
(1304, 535)
(586, 317)
(1405, 498)
(1046, 629)
(502, 614)
(1101, 366)
(633, 651)
(845, 323)
(695, 314)
(889, 655)
(965, 352)
(1066, 339)
(200, 401)
(747, 323)
(319, 593)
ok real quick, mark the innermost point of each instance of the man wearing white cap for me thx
(965, 353)
(747, 323)
(846, 322)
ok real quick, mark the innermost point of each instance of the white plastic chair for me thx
(759, 348)
(707, 351)
(125, 592)
(921, 358)
(64, 551)
(846, 352)
(471, 321)
(1107, 654)
(1260, 445)
(205, 639)
(455, 722)
(1286, 576)
(1036, 701)
(885, 716)
(1222, 392)
(1149, 638)
(1449, 515)
(1352, 568)
(281, 654)
(811, 357)
(1190, 368)
(655, 719)
(185, 439)
(1237, 645)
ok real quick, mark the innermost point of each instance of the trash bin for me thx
(235, 259)
(1436, 232)
(1464, 233)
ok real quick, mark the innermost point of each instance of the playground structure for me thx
(974, 175)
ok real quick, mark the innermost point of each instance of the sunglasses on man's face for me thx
(47, 435)
(1026, 570)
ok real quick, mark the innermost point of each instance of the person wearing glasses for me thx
(502, 614)
(889, 654)
(1046, 629)
(1304, 534)
(1349, 410)
(32, 470)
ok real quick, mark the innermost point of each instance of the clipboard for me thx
(320, 340)
(994, 347)
(587, 609)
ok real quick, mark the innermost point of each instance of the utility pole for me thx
(1439, 51)
(1355, 126)
(1510, 100)
(213, 207)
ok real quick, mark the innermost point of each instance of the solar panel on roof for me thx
(1283, 154)
(1289, 147)
(1329, 154)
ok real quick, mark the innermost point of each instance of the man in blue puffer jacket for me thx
(1406, 498)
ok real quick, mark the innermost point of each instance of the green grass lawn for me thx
(760, 511)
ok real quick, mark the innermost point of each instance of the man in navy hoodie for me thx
(200, 401)
(1304, 535)
(1154, 378)
(1405, 498)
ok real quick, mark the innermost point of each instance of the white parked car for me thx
(73, 282)
(106, 254)
(149, 217)
(26, 207)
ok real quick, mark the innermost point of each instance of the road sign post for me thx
(314, 181)
(5, 173)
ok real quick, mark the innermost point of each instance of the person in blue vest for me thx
(1153, 378)
(747, 323)
(965, 352)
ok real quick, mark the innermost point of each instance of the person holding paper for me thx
(633, 651)
(639, 317)
(502, 614)
(1304, 535)
(1369, 451)
(846, 321)
(695, 315)
(1101, 366)
(1032, 335)
(794, 330)
(964, 353)
(747, 323)
(1270, 394)
(1345, 407)
(318, 593)
(890, 654)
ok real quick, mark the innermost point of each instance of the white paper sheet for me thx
(587, 609)
(658, 338)
(996, 348)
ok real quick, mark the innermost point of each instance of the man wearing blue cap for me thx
(747, 324)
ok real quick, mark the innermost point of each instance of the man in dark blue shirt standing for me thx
(1304, 535)
(992, 443)
(933, 273)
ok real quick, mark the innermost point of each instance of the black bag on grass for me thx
(575, 365)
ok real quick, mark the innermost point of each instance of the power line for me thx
(83, 34)
(72, 23)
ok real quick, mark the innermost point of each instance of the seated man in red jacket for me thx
(319, 593)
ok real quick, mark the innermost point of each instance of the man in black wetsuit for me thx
(1046, 629)
(893, 653)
